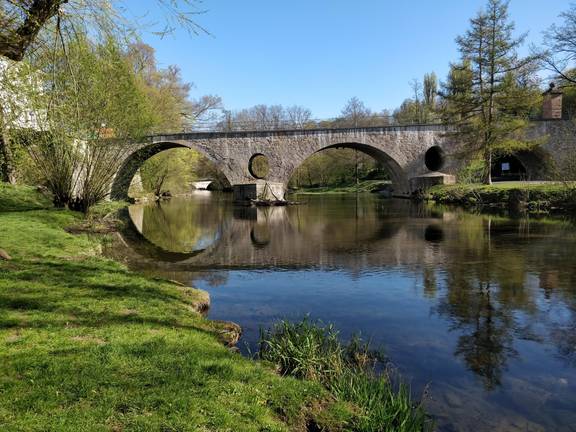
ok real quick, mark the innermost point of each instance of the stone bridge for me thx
(408, 152)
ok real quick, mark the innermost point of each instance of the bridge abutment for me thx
(259, 190)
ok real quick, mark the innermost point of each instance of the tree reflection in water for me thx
(502, 292)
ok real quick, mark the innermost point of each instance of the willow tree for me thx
(91, 109)
(490, 94)
(31, 28)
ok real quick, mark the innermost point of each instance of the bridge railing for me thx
(227, 125)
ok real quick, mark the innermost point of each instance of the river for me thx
(477, 312)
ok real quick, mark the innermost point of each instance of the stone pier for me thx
(259, 190)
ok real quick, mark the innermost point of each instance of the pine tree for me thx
(491, 92)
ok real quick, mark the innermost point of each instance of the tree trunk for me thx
(6, 160)
(488, 166)
(14, 43)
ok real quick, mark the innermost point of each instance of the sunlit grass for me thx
(87, 345)
(22, 198)
(536, 197)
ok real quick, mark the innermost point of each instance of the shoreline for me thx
(87, 343)
(552, 198)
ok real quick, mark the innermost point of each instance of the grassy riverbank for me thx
(535, 197)
(363, 186)
(87, 345)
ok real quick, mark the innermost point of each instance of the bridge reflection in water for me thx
(482, 308)
(209, 231)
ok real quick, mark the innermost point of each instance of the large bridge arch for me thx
(399, 177)
(134, 160)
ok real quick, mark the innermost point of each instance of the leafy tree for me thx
(168, 94)
(26, 24)
(569, 96)
(175, 170)
(409, 112)
(422, 106)
(31, 29)
(337, 167)
(430, 97)
(86, 120)
(430, 90)
(490, 94)
(170, 170)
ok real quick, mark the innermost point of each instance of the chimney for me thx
(552, 105)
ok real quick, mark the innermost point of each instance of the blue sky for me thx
(320, 53)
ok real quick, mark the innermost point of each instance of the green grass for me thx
(538, 197)
(312, 351)
(22, 198)
(86, 345)
(364, 186)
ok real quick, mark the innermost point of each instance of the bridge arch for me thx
(523, 165)
(398, 175)
(134, 160)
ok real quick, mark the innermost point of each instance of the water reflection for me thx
(482, 308)
(182, 228)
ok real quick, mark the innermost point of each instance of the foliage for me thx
(472, 172)
(175, 170)
(92, 120)
(28, 27)
(490, 94)
(313, 351)
(337, 167)
(91, 345)
(421, 108)
(168, 95)
(539, 197)
(44, 39)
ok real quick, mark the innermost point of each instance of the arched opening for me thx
(259, 166)
(165, 169)
(350, 165)
(523, 165)
(508, 168)
(434, 158)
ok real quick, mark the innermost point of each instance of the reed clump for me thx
(352, 373)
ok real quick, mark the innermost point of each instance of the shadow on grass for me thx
(36, 294)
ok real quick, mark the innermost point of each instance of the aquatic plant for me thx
(352, 372)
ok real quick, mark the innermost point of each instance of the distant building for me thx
(15, 89)
(552, 104)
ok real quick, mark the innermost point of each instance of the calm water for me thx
(480, 310)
